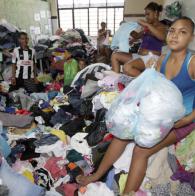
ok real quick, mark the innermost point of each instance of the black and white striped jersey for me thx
(24, 60)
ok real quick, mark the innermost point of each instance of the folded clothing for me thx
(10, 120)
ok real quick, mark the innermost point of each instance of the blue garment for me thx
(184, 82)
(4, 147)
(110, 178)
(120, 40)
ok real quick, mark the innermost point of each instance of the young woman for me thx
(102, 33)
(152, 36)
(179, 67)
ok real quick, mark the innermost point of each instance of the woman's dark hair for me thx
(154, 7)
(191, 22)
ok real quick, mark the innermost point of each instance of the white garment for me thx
(58, 149)
(40, 120)
(52, 193)
(97, 189)
(89, 69)
(80, 144)
(97, 105)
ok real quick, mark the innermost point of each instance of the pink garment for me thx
(182, 132)
(141, 193)
(108, 82)
(53, 87)
(56, 167)
(68, 189)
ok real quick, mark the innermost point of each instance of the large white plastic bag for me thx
(146, 110)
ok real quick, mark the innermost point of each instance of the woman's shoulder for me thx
(159, 62)
(161, 26)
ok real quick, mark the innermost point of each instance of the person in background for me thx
(179, 67)
(103, 36)
(59, 32)
(82, 63)
(71, 68)
(153, 35)
(24, 65)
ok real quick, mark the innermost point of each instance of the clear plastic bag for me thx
(146, 110)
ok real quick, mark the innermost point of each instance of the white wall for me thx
(137, 6)
(133, 8)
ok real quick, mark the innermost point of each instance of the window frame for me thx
(98, 7)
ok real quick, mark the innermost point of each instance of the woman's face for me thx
(103, 25)
(180, 35)
(151, 16)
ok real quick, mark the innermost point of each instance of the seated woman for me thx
(179, 67)
(153, 37)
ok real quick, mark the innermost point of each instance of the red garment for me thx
(121, 87)
(53, 87)
(54, 167)
(146, 30)
(23, 112)
(108, 137)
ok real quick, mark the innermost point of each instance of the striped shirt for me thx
(24, 60)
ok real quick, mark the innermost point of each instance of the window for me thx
(102, 15)
(65, 3)
(66, 21)
(81, 19)
(88, 14)
(97, 3)
(115, 2)
(118, 17)
(93, 21)
(81, 3)
(110, 19)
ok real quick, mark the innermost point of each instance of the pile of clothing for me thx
(8, 35)
(75, 42)
(8, 41)
(49, 138)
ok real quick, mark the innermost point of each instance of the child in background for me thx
(24, 66)
(82, 63)
(71, 68)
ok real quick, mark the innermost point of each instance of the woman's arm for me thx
(185, 120)
(101, 33)
(159, 32)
